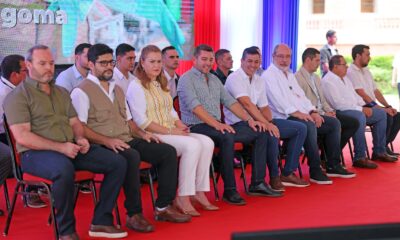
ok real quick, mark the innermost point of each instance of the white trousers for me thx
(196, 152)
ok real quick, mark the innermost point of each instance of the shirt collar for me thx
(200, 74)
(353, 66)
(77, 74)
(7, 83)
(244, 74)
(278, 69)
(35, 83)
(97, 81)
(168, 76)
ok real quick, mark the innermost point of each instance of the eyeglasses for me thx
(281, 56)
(105, 63)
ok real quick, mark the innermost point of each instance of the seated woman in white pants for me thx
(152, 109)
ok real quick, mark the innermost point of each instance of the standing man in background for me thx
(328, 51)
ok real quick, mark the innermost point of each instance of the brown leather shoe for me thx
(365, 163)
(106, 231)
(276, 184)
(138, 223)
(293, 181)
(383, 158)
(72, 236)
(170, 214)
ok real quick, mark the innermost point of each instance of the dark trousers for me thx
(164, 158)
(329, 132)
(392, 128)
(349, 127)
(61, 170)
(265, 148)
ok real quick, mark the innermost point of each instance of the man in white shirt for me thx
(365, 86)
(249, 89)
(126, 56)
(328, 50)
(287, 100)
(72, 76)
(13, 72)
(170, 59)
(340, 94)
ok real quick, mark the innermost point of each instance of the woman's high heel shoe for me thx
(192, 213)
(209, 207)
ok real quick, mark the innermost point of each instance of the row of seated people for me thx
(112, 120)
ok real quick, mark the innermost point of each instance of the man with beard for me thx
(107, 121)
(72, 76)
(126, 56)
(288, 101)
(50, 139)
(170, 60)
(200, 94)
(340, 94)
(365, 86)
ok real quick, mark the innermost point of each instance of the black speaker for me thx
(359, 232)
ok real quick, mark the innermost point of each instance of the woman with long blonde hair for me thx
(152, 109)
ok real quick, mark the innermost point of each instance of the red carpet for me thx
(372, 197)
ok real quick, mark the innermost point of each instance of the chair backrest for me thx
(15, 156)
(176, 106)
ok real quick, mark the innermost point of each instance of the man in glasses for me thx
(102, 108)
(341, 95)
(288, 101)
(170, 60)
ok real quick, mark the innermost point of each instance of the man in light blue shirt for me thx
(72, 76)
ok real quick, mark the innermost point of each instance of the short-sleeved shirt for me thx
(48, 115)
(238, 84)
(70, 78)
(362, 79)
(195, 90)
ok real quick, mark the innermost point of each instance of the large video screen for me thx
(63, 24)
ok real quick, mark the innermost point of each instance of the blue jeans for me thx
(329, 132)
(378, 123)
(61, 171)
(265, 148)
(294, 133)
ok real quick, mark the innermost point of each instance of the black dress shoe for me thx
(233, 197)
(390, 152)
(263, 189)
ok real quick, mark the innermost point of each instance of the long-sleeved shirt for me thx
(284, 94)
(340, 94)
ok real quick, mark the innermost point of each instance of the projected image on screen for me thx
(62, 24)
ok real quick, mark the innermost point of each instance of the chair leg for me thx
(117, 216)
(11, 211)
(242, 165)
(6, 196)
(214, 181)
(153, 199)
(391, 146)
(52, 212)
(94, 193)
